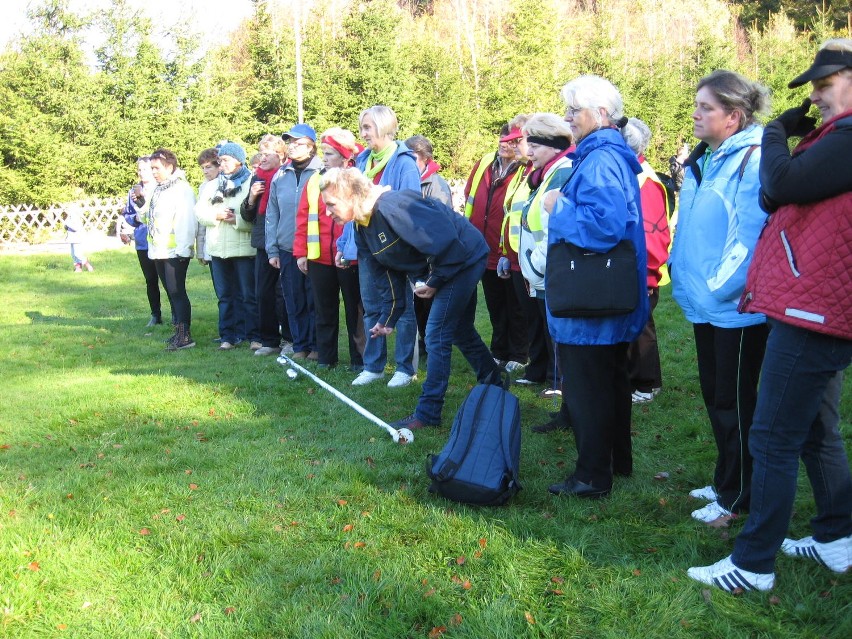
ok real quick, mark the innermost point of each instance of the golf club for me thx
(401, 436)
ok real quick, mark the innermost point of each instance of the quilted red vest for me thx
(801, 273)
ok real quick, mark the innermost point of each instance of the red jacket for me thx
(488, 210)
(328, 231)
(657, 234)
(801, 273)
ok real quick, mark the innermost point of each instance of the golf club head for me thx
(404, 436)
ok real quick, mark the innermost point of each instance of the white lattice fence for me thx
(32, 225)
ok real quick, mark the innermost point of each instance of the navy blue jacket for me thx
(409, 237)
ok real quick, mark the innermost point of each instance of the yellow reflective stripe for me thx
(484, 163)
(313, 216)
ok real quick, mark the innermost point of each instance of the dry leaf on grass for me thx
(437, 631)
(530, 619)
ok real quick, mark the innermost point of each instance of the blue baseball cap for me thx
(301, 131)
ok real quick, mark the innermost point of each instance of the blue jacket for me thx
(409, 237)
(282, 206)
(400, 173)
(719, 221)
(601, 206)
(140, 230)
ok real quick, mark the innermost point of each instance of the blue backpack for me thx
(479, 464)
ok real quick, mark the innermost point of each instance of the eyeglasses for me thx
(573, 111)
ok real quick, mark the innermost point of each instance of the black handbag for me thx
(582, 283)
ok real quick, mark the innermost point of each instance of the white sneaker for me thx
(366, 377)
(287, 348)
(644, 398)
(711, 512)
(265, 350)
(513, 367)
(725, 575)
(400, 379)
(835, 555)
(708, 493)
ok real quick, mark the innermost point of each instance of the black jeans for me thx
(729, 361)
(508, 324)
(598, 402)
(152, 283)
(172, 274)
(328, 283)
(541, 367)
(643, 356)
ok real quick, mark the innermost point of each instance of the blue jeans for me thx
(376, 349)
(451, 322)
(299, 302)
(233, 279)
(796, 417)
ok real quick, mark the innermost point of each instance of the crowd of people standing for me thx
(759, 265)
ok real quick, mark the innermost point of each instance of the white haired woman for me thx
(595, 210)
(404, 237)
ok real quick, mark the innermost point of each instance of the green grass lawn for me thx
(203, 494)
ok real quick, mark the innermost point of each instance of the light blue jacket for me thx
(400, 173)
(719, 221)
(601, 206)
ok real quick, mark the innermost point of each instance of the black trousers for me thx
(598, 402)
(328, 284)
(643, 356)
(172, 274)
(271, 316)
(729, 361)
(541, 367)
(508, 324)
(152, 282)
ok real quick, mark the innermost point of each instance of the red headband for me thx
(337, 146)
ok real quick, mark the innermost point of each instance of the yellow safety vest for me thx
(649, 174)
(516, 196)
(532, 215)
(313, 216)
(484, 163)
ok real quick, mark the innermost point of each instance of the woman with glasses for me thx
(597, 208)
(487, 193)
(286, 191)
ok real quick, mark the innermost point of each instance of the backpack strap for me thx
(505, 441)
(745, 160)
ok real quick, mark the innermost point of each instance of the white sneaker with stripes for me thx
(725, 575)
(835, 555)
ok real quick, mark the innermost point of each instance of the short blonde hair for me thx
(518, 121)
(350, 185)
(548, 126)
(270, 142)
(384, 118)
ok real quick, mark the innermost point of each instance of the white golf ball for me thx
(404, 436)
(292, 374)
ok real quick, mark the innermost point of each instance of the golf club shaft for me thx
(343, 398)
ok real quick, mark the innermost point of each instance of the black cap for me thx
(827, 61)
